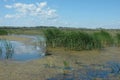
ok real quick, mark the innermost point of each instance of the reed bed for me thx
(78, 40)
(7, 46)
(118, 39)
(3, 32)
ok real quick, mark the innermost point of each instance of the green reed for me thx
(9, 49)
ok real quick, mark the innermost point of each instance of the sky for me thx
(60, 13)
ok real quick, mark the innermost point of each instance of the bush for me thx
(71, 39)
(3, 32)
(52, 37)
(118, 39)
(104, 38)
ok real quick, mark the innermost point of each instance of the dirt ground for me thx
(41, 69)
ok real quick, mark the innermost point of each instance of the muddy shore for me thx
(48, 67)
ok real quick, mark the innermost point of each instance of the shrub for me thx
(52, 36)
(3, 32)
(71, 39)
(118, 39)
(104, 38)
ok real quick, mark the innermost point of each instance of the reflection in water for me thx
(40, 44)
(0, 52)
(6, 49)
(19, 51)
(92, 72)
(9, 49)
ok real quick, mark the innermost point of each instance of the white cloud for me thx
(41, 10)
(8, 16)
(8, 6)
(13, 16)
(42, 4)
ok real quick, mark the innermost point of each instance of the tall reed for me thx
(104, 38)
(9, 49)
(3, 32)
(74, 40)
(118, 39)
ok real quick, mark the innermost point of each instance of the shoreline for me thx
(52, 65)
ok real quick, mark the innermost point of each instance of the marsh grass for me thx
(9, 50)
(0, 52)
(3, 32)
(78, 40)
(1, 49)
(67, 68)
(104, 38)
(118, 39)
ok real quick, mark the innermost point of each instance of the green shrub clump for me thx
(118, 39)
(104, 38)
(3, 32)
(77, 40)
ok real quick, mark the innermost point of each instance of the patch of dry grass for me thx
(15, 38)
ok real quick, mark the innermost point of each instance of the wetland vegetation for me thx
(76, 54)
(80, 40)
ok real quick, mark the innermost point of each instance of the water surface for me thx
(21, 51)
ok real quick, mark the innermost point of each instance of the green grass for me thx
(3, 32)
(78, 40)
(118, 39)
(104, 38)
(9, 50)
(70, 38)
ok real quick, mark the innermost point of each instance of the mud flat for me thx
(97, 65)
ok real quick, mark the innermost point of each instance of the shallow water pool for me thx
(19, 51)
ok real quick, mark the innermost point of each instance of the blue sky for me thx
(67, 13)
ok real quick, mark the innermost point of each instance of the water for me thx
(91, 72)
(15, 50)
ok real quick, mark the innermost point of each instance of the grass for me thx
(0, 51)
(3, 32)
(25, 31)
(72, 39)
(78, 40)
(35, 69)
(59, 40)
(67, 68)
(104, 37)
(118, 39)
(9, 50)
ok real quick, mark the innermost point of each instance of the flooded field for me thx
(22, 58)
(108, 71)
(21, 50)
(91, 65)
